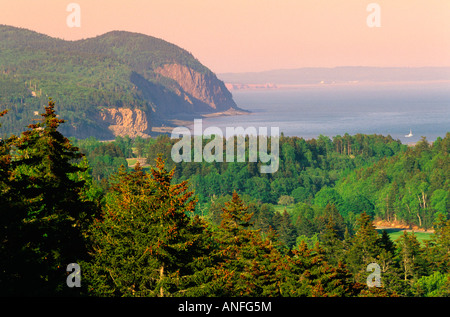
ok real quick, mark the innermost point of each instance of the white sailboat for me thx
(409, 135)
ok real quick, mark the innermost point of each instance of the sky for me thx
(258, 35)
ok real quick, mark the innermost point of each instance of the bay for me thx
(308, 111)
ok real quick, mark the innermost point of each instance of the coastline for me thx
(229, 112)
(234, 86)
(172, 123)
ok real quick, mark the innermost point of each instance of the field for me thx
(132, 162)
(281, 208)
(395, 233)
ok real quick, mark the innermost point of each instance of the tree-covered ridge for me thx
(144, 53)
(305, 166)
(413, 187)
(116, 69)
(140, 52)
(139, 233)
(355, 173)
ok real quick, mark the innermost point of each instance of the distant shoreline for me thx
(172, 123)
(232, 86)
(229, 112)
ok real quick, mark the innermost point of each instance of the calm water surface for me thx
(335, 110)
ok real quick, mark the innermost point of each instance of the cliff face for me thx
(204, 89)
(191, 92)
(124, 121)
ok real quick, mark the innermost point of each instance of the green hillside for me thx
(109, 71)
(413, 188)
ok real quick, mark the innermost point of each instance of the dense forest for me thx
(221, 229)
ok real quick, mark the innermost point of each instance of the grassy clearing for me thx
(394, 234)
(131, 161)
(281, 208)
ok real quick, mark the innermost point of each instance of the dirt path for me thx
(141, 160)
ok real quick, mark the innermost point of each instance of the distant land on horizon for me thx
(335, 75)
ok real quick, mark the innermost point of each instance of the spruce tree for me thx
(248, 265)
(364, 248)
(409, 256)
(263, 218)
(145, 243)
(389, 268)
(286, 232)
(332, 234)
(41, 210)
(310, 275)
(441, 241)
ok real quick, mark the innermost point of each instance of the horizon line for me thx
(332, 67)
(221, 73)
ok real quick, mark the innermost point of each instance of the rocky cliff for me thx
(202, 88)
(124, 121)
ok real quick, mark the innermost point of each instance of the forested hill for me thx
(376, 174)
(119, 83)
(412, 188)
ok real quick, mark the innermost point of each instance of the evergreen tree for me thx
(386, 243)
(331, 216)
(410, 258)
(330, 243)
(145, 243)
(42, 211)
(364, 248)
(332, 233)
(310, 275)
(248, 264)
(263, 218)
(389, 268)
(441, 241)
(286, 232)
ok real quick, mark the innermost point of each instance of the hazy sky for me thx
(256, 35)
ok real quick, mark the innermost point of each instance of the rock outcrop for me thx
(203, 89)
(124, 121)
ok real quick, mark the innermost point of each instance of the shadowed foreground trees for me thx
(145, 243)
(42, 210)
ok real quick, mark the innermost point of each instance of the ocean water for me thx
(387, 109)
